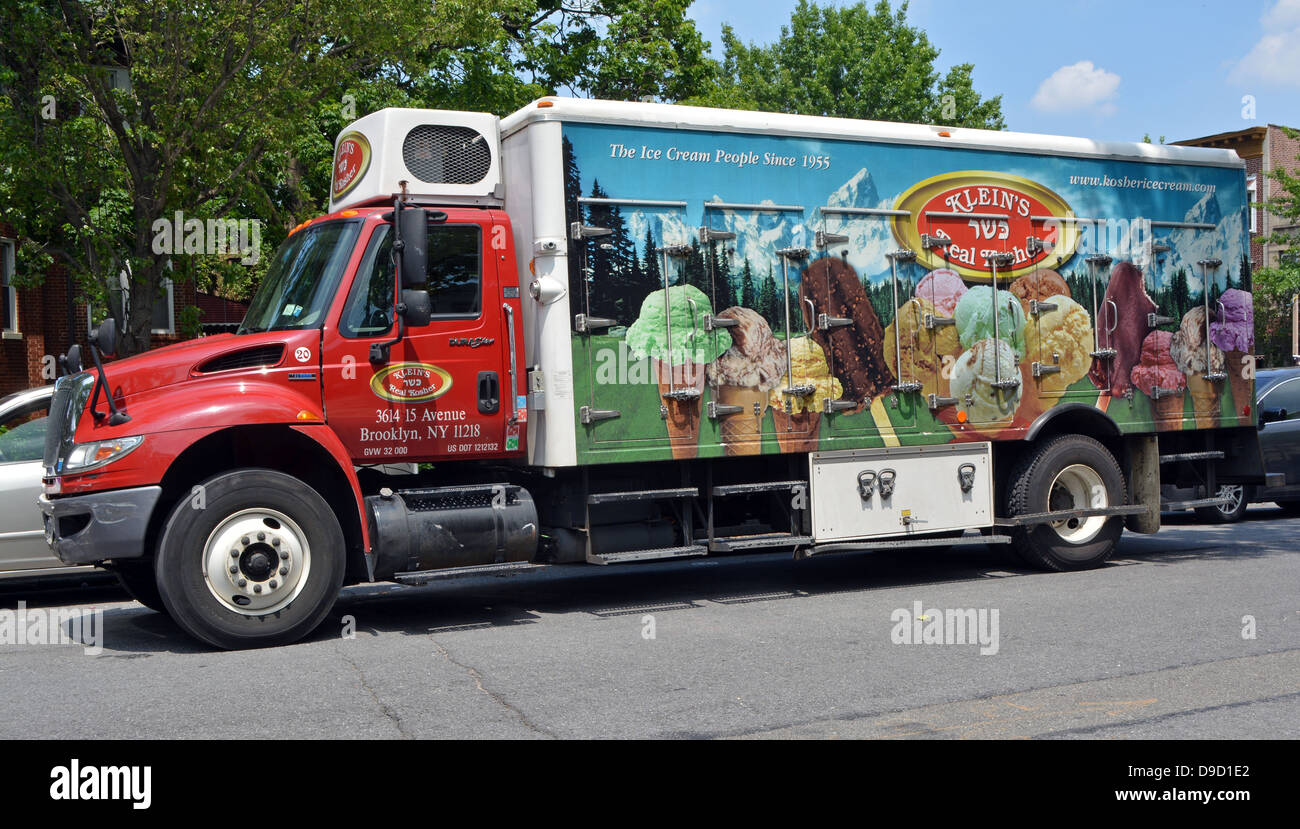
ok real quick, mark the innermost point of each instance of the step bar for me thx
(658, 554)
(507, 568)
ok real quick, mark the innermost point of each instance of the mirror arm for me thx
(116, 417)
(379, 351)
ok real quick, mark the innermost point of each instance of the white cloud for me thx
(1079, 86)
(1275, 58)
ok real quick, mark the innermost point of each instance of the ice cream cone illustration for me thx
(680, 388)
(1060, 341)
(670, 332)
(1234, 333)
(987, 407)
(743, 376)
(1157, 376)
(797, 402)
(1196, 358)
(922, 349)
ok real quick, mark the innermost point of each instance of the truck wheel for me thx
(1067, 472)
(138, 580)
(260, 564)
(1230, 512)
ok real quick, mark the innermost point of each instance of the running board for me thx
(506, 568)
(1192, 456)
(642, 495)
(625, 556)
(727, 544)
(901, 544)
(750, 489)
(1199, 502)
(1062, 514)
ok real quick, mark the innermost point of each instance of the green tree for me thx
(1276, 286)
(852, 62)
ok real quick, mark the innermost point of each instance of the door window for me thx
(22, 433)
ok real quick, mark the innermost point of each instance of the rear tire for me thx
(1067, 472)
(138, 580)
(260, 564)
(1230, 512)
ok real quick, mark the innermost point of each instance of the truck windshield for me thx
(302, 278)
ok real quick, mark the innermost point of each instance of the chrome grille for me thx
(446, 155)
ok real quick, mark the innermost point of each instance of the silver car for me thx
(23, 551)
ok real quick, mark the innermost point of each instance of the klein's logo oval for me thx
(351, 161)
(410, 382)
(982, 213)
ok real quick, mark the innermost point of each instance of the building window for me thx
(164, 310)
(8, 293)
(1252, 196)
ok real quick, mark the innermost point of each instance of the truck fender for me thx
(330, 442)
(1074, 417)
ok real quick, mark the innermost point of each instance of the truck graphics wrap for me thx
(754, 294)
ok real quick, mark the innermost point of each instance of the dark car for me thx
(1277, 394)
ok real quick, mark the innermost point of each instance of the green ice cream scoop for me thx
(974, 316)
(677, 312)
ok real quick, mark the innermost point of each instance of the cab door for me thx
(443, 391)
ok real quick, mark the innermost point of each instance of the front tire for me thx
(260, 564)
(1067, 472)
(1230, 512)
(138, 580)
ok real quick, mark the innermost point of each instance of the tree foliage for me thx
(851, 62)
(1276, 286)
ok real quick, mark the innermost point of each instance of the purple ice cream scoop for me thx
(1235, 328)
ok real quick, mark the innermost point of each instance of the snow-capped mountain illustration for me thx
(1190, 246)
(870, 237)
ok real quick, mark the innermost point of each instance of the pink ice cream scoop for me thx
(943, 287)
(1235, 328)
(1156, 367)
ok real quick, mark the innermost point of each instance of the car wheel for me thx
(260, 564)
(1064, 473)
(1234, 510)
(138, 580)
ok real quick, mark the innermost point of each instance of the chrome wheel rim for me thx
(256, 562)
(1077, 487)
(1234, 494)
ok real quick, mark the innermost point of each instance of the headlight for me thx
(86, 456)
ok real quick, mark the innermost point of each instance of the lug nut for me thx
(284, 571)
(234, 554)
(261, 536)
(257, 588)
(234, 568)
(284, 555)
(275, 542)
(274, 584)
(244, 541)
(243, 582)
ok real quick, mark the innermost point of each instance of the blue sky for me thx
(1101, 69)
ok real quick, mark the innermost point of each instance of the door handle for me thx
(489, 392)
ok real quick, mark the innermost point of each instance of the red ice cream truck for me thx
(605, 333)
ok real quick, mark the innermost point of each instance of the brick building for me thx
(40, 322)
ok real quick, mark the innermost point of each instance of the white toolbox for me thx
(900, 491)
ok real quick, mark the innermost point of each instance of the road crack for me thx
(383, 707)
(493, 695)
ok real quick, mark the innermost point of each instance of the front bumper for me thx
(85, 529)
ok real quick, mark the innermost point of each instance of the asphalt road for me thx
(1150, 646)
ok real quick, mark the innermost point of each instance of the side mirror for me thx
(104, 337)
(71, 362)
(1271, 415)
(416, 307)
(415, 244)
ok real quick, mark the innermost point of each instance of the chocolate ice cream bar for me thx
(856, 350)
(1122, 325)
